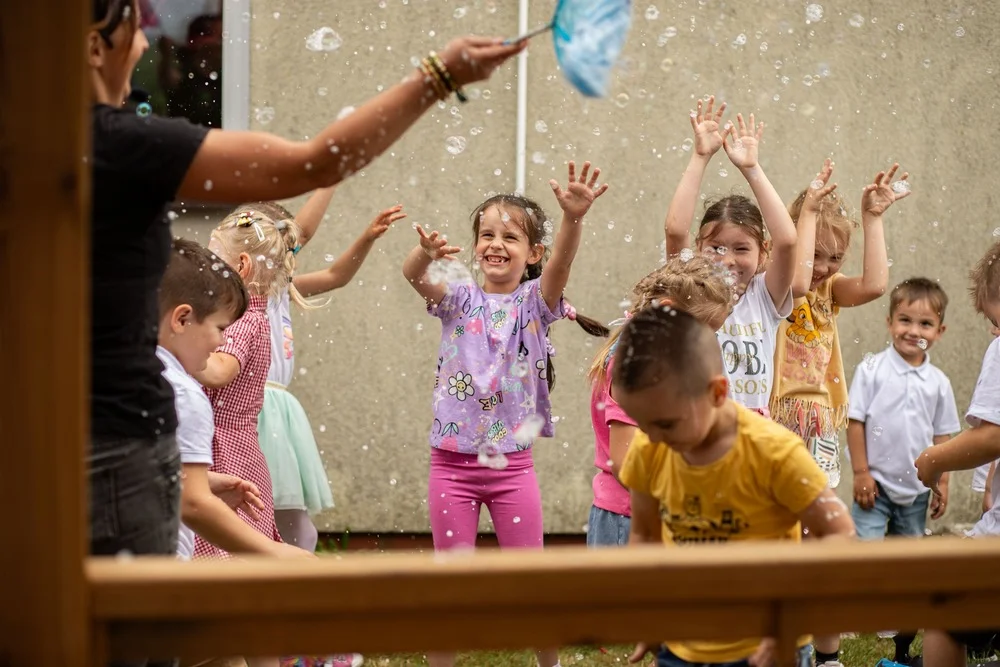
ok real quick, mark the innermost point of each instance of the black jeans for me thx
(135, 492)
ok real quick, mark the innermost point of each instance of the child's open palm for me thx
(882, 193)
(435, 245)
(705, 123)
(579, 194)
(741, 145)
(819, 189)
(380, 225)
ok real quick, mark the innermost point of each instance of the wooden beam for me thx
(44, 333)
(490, 600)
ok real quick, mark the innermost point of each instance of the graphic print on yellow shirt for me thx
(754, 492)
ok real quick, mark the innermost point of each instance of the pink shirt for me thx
(609, 494)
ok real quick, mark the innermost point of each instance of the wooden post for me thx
(44, 332)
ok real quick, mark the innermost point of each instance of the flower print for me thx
(499, 317)
(475, 327)
(460, 386)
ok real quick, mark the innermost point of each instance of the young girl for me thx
(491, 396)
(300, 484)
(693, 284)
(810, 391)
(733, 231)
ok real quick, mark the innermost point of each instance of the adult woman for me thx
(139, 166)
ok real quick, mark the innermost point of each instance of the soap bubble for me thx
(455, 145)
(143, 109)
(538, 157)
(459, 12)
(324, 39)
(686, 255)
(529, 429)
(876, 431)
(922, 343)
(264, 115)
(857, 21)
(959, 31)
(519, 369)
(541, 126)
(816, 185)
(996, 231)
(814, 13)
(652, 13)
(492, 461)
(740, 40)
(621, 100)
(901, 187)
(869, 360)
(328, 257)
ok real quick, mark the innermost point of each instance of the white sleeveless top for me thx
(282, 342)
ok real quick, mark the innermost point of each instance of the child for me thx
(235, 374)
(810, 386)
(299, 480)
(197, 304)
(732, 232)
(491, 397)
(706, 469)
(973, 447)
(695, 285)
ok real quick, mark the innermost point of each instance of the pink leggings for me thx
(459, 486)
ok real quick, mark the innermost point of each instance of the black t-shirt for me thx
(138, 165)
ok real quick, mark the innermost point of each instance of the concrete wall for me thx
(908, 82)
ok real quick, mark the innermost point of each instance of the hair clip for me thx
(260, 231)
(295, 250)
(245, 219)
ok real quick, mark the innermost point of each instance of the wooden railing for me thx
(560, 597)
(56, 608)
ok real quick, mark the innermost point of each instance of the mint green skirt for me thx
(298, 478)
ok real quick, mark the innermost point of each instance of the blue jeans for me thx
(607, 529)
(888, 518)
(666, 658)
(135, 493)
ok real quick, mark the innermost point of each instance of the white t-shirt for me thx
(279, 315)
(985, 407)
(979, 477)
(747, 340)
(195, 429)
(902, 407)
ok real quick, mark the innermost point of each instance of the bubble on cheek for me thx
(922, 343)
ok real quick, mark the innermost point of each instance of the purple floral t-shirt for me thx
(491, 369)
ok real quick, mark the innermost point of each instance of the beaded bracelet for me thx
(435, 63)
(437, 83)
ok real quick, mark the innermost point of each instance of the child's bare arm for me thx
(939, 501)
(876, 199)
(432, 247)
(222, 368)
(621, 437)
(827, 516)
(312, 213)
(967, 450)
(988, 490)
(345, 267)
(707, 142)
(805, 228)
(742, 148)
(865, 490)
(646, 525)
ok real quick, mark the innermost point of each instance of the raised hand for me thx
(741, 145)
(579, 194)
(705, 123)
(473, 58)
(819, 189)
(882, 193)
(380, 225)
(435, 245)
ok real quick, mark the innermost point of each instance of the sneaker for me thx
(344, 660)
(830, 663)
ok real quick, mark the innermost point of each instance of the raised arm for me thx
(805, 228)
(255, 165)
(742, 146)
(345, 267)
(967, 450)
(876, 199)
(432, 247)
(312, 213)
(707, 142)
(574, 201)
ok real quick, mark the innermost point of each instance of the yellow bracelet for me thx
(437, 83)
(445, 75)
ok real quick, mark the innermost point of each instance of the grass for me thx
(861, 651)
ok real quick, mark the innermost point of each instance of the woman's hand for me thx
(473, 58)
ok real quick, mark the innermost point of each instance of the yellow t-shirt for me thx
(754, 492)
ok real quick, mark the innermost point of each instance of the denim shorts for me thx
(666, 658)
(135, 492)
(886, 517)
(607, 529)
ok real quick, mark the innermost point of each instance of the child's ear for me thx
(942, 329)
(243, 266)
(719, 387)
(536, 254)
(180, 317)
(95, 49)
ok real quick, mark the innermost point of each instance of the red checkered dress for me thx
(235, 449)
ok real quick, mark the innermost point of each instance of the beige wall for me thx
(913, 92)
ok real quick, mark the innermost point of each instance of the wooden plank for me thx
(44, 241)
(490, 600)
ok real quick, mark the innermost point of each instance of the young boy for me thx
(198, 300)
(900, 403)
(971, 448)
(705, 469)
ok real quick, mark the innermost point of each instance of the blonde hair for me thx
(833, 216)
(694, 284)
(985, 278)
(271, 239)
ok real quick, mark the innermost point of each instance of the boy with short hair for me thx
(899, 404)
(199, 297)
(973, 447)
(705, 469)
